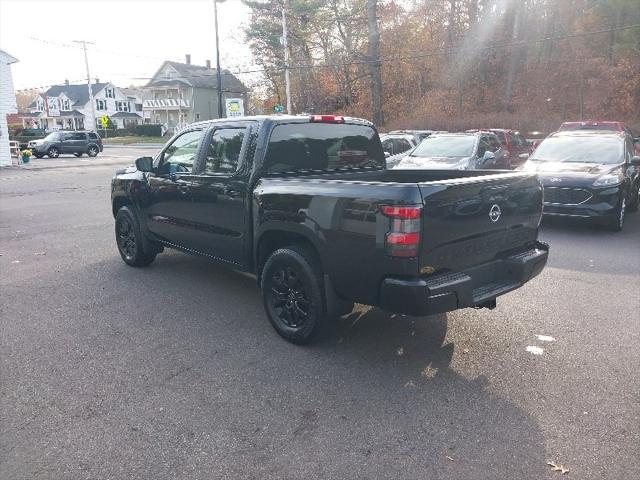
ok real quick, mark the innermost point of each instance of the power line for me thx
(444, 51)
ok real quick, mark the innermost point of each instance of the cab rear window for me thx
(299, 147)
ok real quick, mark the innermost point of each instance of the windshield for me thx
(605, 150)
(449, 146)
(52, 137)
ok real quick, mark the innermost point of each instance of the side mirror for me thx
(635, 161)
(144, 164)
(488, 155)
(387, 154)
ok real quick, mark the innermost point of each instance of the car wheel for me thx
(78, 154)
(53, 152)
(292, 293)
(634, 201)
(129, 239)
(616, 221)
(92, 151)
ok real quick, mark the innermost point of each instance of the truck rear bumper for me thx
(475, 287)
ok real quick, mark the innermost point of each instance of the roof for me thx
(6, 58)
(125, 115)
(588, 133)
(200, 77)
(30, 114)
(78, 94)
(71, 113)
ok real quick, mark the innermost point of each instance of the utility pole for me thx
(92, 123)
(218, 74)
(287, 85)
(374, 63)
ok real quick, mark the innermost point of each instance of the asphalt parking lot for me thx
(172, 371)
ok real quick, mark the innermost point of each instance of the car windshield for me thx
(52, 137)
(605, 150)
(445, 146)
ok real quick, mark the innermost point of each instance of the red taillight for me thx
(403, 237)
(327, 119)
(401, 212)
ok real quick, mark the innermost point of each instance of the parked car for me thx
(61, 142)
(457, 151)
(592, 175)
(26, 135)
(306, 204)
(516, 146)
(601, 125)
(394, 144)
(418, 135)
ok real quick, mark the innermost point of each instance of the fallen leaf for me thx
(409, 384)
(558, 468)
(545, 338)
(40, 253)
(16, 261)
(429, 371)
(535, 350)
(400, 351)
(449, 458)
(466, 350)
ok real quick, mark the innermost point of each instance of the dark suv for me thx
(57, 143)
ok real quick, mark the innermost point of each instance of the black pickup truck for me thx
(306, 204)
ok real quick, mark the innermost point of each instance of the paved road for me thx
(173, 371)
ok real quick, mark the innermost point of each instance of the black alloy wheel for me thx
(129, 240)
(292, 293)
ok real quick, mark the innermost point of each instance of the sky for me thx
(131, 38)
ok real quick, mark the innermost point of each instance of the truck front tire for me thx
(129, 239)
(292, 293)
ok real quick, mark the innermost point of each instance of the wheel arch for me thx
(118, 203)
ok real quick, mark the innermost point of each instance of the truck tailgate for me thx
(473, 220)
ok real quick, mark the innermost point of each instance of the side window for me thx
(78, 136)
(66, 136)
(387, 146)
(494, 144)
(483, 146)
(93, 136)
(402, 145)
(519, 141)
(181, 154)
(223, 152)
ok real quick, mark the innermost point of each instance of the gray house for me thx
(182, 93)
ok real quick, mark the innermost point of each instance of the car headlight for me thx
(608, 179)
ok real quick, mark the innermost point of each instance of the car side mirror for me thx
(144, 164)
(488, 155)
(635, 161)
(387, 154)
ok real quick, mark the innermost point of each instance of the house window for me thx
(109, 93)
(101, 104)
(122, 106)
(65, 105)
(197, 117)
(138, 107)
(40, 105)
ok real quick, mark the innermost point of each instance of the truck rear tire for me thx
(292, 293)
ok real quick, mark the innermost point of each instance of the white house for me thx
(68, 107)
(7, 104)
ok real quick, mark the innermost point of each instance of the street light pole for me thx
(92, 124)
(218, 74)
(287, 86)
